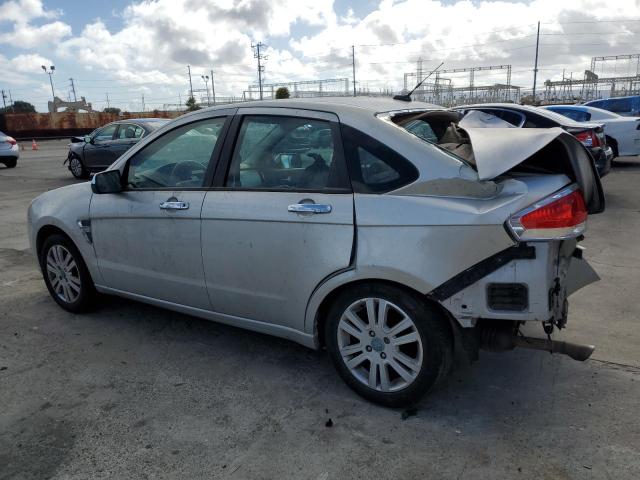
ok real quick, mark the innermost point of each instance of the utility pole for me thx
(4, 103)
(353, 64)
(260, 57)
(190, 84)
(13, 110)
(73, 89)
(108, 106)
(143, 102)
(213, 89)
(535, 68)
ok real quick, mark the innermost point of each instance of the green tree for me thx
(114, 110)
(191, 105)
(282, 92)
(19, 107)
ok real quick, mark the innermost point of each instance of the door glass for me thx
(179, 158)
(129, 132)
(105, 134)
(286, 153)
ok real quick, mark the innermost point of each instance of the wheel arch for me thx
(613, 143)
(321, 312)
(45, 232)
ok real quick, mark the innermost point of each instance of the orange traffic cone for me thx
(34, 145)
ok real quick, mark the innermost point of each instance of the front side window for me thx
(178, 159)
(286, 153)
(374, 167)
(105, 134)
(129, 132)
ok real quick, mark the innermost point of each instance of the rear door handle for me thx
(174, 205)
(309, 208)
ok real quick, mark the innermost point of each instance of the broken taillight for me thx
(561, 215)
(588, 138)
(10, 140)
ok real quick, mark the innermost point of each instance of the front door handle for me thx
(309, 208)
(174, 205)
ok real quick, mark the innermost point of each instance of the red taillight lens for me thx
(10, 140)
(562, 215)
(588, 138)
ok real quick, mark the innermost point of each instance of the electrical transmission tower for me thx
(259, 56)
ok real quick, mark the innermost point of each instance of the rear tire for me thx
(391, 357)
(614, 146)
(11, 163)
(77, 168)
(66, 275)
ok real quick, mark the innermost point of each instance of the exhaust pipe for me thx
(501, 339)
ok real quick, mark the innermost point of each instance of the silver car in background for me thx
(9, 151)
(375, 228)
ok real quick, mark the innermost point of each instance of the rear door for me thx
(98, 154)
(280, 219)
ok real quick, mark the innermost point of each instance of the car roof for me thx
(611, 98)
(354, 105)
(584, 108)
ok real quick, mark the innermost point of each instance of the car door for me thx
(147, 238)
(127, 135)
(280, 219)
(98, 154)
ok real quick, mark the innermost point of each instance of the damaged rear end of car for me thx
(533, 190)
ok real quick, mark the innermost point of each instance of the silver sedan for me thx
(377, 229)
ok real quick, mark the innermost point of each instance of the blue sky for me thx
(130, 48)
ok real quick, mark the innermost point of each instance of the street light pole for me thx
(50, 73)
(206, 87)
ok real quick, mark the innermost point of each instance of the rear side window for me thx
(374, 167)
(577, 115)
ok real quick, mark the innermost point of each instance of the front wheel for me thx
(66, 275)
(387, 344)
(77, 168)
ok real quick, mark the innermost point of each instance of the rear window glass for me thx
(374, 167)
(513, 118)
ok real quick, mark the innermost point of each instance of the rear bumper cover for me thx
(547, 271)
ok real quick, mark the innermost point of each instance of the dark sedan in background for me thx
(96, 151)
(591, 135)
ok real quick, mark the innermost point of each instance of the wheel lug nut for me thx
(386, 340)
(383, 355)
(372, 333)
(369, 348)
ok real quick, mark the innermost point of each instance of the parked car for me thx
(9, 151)
(625, 106)
(622, 133)
(326, 222)
(590, 134)
(96, 151)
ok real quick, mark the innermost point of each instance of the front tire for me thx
(66, 275)
(387, 344)
(77, 168)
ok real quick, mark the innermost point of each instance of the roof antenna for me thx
(407, 96)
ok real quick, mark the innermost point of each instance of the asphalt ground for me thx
(133, 391)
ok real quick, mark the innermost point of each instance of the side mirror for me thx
(109, 181)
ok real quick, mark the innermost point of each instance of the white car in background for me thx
(9, 151)
(623, 133)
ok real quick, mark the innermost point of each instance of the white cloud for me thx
(30, 36)
(22, 11)
(160, 37)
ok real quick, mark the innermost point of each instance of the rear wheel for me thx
(614, 146)
(11, 162)
(77, 168)
(387, 344)
(66, 274)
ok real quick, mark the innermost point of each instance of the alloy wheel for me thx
(380, 344)
(76, 167)
(63, 273)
